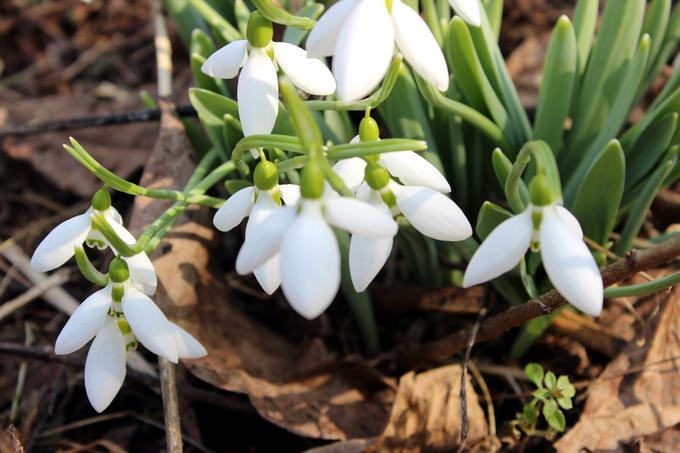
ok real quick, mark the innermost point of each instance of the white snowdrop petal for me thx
(366, 257)
(414, 170)
(420, 48)
(501, 251)
(84, 323)
(264, 207)
(234, 210)
(258, 94)
(226, 62)
(432, 213)
(269, 274)
(308, 74)
(569, 218)
(142, 273)
(57, 247)
(363, 51)
(105, 366)
(264, 240)
(351, 171)
(359, 217)
(570, 265)
(468, 10)
(310, 264)
(149, 324)
(321, 41)
(290, 193)
(188, 347)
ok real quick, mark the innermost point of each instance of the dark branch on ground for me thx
(494, 326)
(93, 121)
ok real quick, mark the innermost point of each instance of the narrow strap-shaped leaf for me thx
(668, 47)
(559, 74)
(493, 63)
(295, 35)
(494, 11)
(656, 25)
(617, 117)
(211, 108)
(616, 42)
(656, 22)
(644, 200)
(185, 18)
(650, 148)
(597, 208)
(490, 216)
(670, 105)
(585, 19)
(472, 80)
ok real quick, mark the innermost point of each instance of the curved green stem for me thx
(280, 16)
(122, 185)
(644, 288)
(287, 142)
(88, 270)
(363, 149)
(545, 164)
(334, 180)
(468, 114)
(372, 101)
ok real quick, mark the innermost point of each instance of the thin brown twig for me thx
(27, 297)
(491, 413)
(495, 326)
(168, 377)
(111, 119)
(463, 381)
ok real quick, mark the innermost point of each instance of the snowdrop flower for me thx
(59, 245)
(118, 316)
(258, 88)
(258, 203)
(468, 10)
(361, 36)
(419, 199)
(547, 226)
(302, 234)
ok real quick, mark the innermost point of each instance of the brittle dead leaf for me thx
(638, 394)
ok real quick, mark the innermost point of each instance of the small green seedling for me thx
(552, 395)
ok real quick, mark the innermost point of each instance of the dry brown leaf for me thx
(300, 387)
(122, 149)
(638, 394)
(427, 413)
(409, 299)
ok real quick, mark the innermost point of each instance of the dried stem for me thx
(495, 326)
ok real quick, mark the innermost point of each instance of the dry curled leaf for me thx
(638, 394)
(427, 413)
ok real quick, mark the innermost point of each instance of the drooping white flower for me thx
(468, 10)
(257, 205)
(258, 88)
(115, 325)
(566, 258)
(310, 257)
(361, 36)
(427, 209)
(59, 245)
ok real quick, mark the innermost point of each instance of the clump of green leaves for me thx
(552, 395)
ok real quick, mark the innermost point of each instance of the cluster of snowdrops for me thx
(289, 238)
